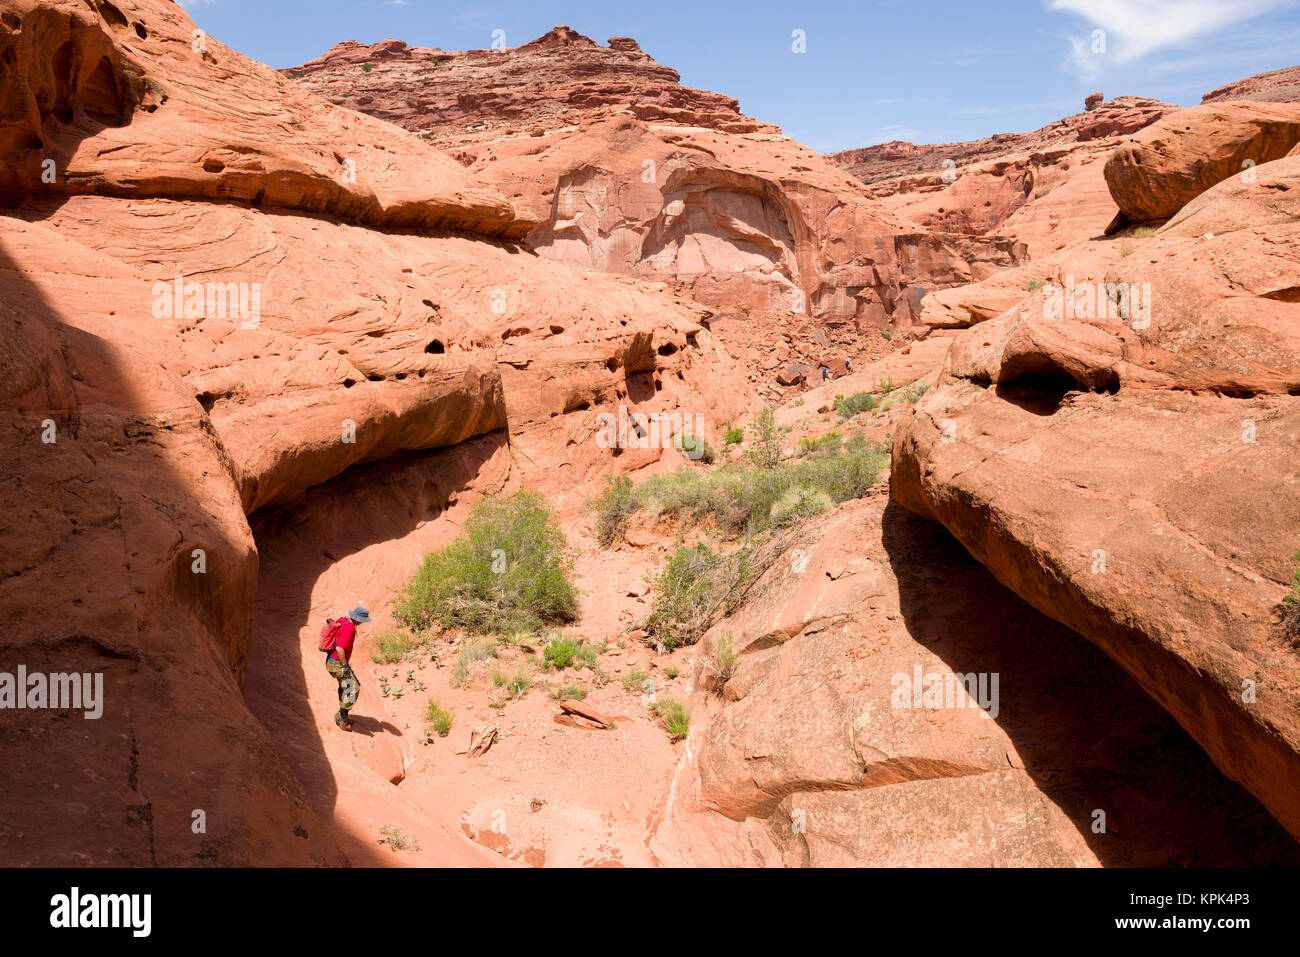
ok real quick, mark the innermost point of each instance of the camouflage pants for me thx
(349, 687)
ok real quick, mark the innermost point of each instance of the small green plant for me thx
(726, 658)
(633, 679)
(695, 448)
(516, 686)
(468, 657)
(587, 654)
(827, 444)
(397, 839)
(672, 671)
(914, 393)
(560, 652)
(1034, 285)
(569, 693)
(733, 437)
(675, 716)
(367, 67)
(390, 647)
(297, 74)
(887, 335)
(1143, 232)
(438, 718)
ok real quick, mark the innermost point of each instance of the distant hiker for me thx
(337, 636)
(848, 365)
(825, 373)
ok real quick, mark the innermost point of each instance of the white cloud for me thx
(1131, 29)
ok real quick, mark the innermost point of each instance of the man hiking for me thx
(337, 637)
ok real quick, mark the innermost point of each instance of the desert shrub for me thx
(827, 444)
(397, 839)
(508, 572)
(367, 66)
(695, 448)
(614, 506)
(733, 436)
(438, 718)
(766, 453)
(798, 503)
(1034, 285)
(1143, 232)
(632, 680)
(560, 652)
(569, 693)
(726, 657)
(517, 685)
(697, 586)
(1291, 606)
(470, 654)
(587, 654)
(390, 647)
(914, 393)
(846, 407)
(738, 497)
(676, 718)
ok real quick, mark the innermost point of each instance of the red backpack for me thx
(329, 633)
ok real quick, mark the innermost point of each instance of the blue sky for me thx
(873, 70)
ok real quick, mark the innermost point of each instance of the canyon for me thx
(468, 263)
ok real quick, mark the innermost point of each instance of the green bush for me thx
(697, 586)
(733, 437)
(560, 652)
(632, 680)
(827, 444)
(390, 647)
(569, 693)
(367, 67)
(614, 506)
(397, 839)
(766, 453)
(508, 572)
(799, 503)
(675, 717)
(738, 497)
(848, 407)
(726, 657)
(438, 718)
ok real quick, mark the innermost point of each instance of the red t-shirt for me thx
(347, 635)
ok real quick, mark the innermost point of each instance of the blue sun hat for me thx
(359, 614)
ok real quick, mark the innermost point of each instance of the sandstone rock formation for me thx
(1044, 188)
(1277, 86)
(1158, 171)
(627, 172)
(1121, 455)
(208, 311)
(452, 98)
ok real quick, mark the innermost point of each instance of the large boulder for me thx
(1162, 168)
(1119, 449)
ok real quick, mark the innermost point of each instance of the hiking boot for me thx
(343, 721)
